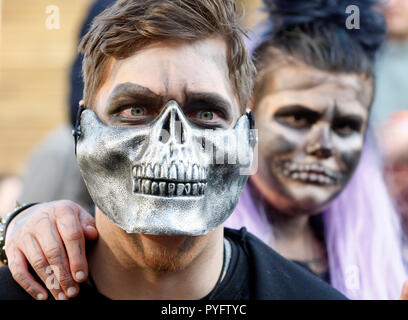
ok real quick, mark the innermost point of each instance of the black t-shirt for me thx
(255, 272)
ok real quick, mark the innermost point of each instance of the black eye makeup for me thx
(347, 125)
(296, 117)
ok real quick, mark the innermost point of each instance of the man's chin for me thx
(166, 254)
(170, 242)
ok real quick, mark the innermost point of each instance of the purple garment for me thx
(254, 219)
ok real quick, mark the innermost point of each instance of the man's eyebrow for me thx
(210, 98)
(125, 92)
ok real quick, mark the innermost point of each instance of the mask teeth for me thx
(189, 173)
(155, 188)
(149, 172)
(173, 172)
(168, 189)
(181, 172)
(196, 173)
(176, 172)
(157, 171)
(164, 171)
(180, 189)
(187, 189)
(162, 188)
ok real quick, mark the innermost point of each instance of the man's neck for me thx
(132, 266)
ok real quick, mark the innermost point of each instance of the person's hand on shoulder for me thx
(51, 238)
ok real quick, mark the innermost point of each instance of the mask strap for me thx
(253, 138)
(251, 118)
(77, 132)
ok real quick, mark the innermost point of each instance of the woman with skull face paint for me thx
(312, 101)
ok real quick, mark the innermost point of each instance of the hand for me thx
(51, 237)
(404, 293)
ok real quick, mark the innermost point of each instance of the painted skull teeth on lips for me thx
(310, 172)
(174, 180)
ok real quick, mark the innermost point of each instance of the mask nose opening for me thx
(173, 130)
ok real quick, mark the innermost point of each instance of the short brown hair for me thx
(129, 25)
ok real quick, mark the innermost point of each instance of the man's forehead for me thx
(169, 68)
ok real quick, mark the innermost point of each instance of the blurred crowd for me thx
(389, 122)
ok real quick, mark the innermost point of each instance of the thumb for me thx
(404, 293)
(88, 225)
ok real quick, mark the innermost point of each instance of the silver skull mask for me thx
(168, 177)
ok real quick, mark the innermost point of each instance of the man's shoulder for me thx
(9, 288)
(274, 277)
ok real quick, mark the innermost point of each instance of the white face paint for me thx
(311, 126)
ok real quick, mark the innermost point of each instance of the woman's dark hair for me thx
(316, 32)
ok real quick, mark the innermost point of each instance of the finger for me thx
(19, 270)
(88, 224)
(70, 230)
(90, 233)
(54, 251)
(404, 294)
(39, 263)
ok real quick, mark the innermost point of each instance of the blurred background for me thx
(38, 43)
(34, 69)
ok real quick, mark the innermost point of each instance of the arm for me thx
(51, 238)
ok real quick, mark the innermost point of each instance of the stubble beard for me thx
(162, 259)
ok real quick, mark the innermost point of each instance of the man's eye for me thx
(133, 112)
(206, 118)
(137, 111)
(206, 115)
(135, 115)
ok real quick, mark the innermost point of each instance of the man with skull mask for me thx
(166, 86)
